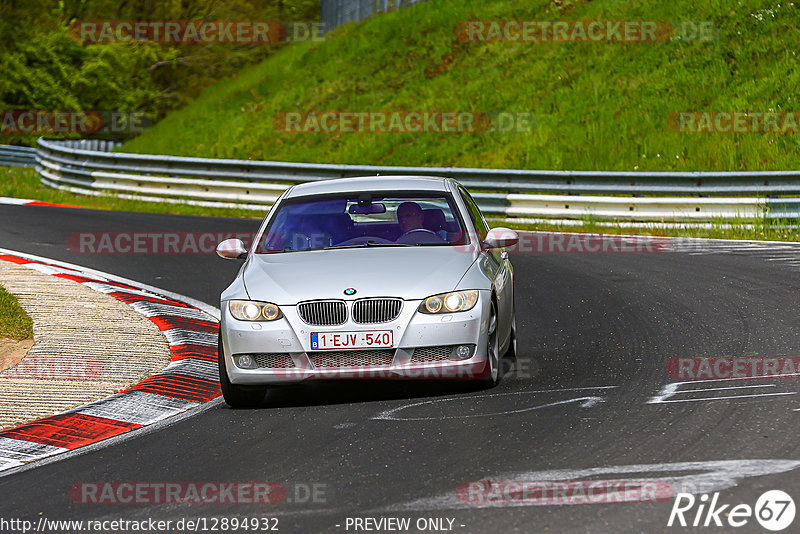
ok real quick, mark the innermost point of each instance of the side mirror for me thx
(500, 238)
(232, 249)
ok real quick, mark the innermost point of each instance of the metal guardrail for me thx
(17, 156)
(674, 196)
(334, 13)
(96, 145)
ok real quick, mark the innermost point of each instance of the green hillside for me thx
(597, 105)
(46, 66)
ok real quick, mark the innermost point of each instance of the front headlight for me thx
(450, 302)
(249, 310)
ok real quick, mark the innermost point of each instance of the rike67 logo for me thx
(774, 510)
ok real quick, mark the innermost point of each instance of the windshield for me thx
(363, 220)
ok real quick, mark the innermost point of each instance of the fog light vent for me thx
(245, 361)
(461, 352)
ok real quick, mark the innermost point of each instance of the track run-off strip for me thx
(187, 383)
(31, 202)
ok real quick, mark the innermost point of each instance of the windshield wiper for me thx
(290, 249)
(367, 245)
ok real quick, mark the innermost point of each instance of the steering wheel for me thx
(422, 233)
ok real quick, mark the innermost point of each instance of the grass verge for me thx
(14, 322)
(21, 182)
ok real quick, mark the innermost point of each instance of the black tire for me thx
(511, 351)
(492, 372)
(237, 396)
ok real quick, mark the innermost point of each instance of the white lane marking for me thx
(718, 380)
(700, 477)
(155, 309)
(729, 387)
(15, 201)
(109, 288)
(136, 407)
(22, 450)
(7, 463)
(15, 452)
(181, 336)
(48, 269)
(706, 247)
(725, 398)
(586, 402)
(674, 388)
(590, 402)
(749, 248)
(211, 310)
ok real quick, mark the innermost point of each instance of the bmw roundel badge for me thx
(350, 291)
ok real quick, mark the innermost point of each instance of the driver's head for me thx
(409, 216)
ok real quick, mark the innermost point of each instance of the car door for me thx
(498, 268)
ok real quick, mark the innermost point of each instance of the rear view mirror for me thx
(232, 249)
(371, 209)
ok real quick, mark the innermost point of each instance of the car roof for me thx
(370, 183)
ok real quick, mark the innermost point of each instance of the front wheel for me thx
(237, 396)
(511, 351)
(490, 376)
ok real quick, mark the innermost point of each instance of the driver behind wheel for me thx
(411, 220)
(409, 216)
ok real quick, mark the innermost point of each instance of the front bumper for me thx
(420, 342)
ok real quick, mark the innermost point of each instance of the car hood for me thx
(409, 273)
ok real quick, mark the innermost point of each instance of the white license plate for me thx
(373, 339)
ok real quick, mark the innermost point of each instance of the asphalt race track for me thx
(588, 391)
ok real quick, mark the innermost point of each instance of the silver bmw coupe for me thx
(367, 278)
